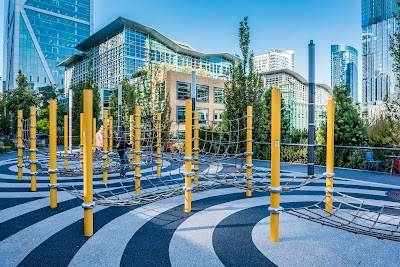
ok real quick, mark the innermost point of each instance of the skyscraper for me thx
(39, 34)
(378, 24)
(274, 59)
(344, 68)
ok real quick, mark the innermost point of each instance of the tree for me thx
(20, 98)
(48, 93)
(243, 88)
(349, 127)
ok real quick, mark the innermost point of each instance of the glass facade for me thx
(378, 24)
(344, 68)
(47, 32)
(202, 93)
(123, 47)
(218, 95)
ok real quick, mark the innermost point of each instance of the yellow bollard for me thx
(110, 147)
(188, 156)
(330, 151)
(81, 140)
(53, 153)
(158, 128)
(94, 135)
(137, 149)
(65, 140)
(88, 203)
(275, 187)
(33, 148)
(19, 145)
(249, 150)
(131, 138)
(196, 147)
(105, 145)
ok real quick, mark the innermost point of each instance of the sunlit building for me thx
(274, 59)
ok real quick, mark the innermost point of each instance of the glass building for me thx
(123, 47)
(378, 24)
(344, 68)
(39, 34)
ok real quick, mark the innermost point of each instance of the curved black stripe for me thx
(11, 202)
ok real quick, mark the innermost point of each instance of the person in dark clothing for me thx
(122, 147)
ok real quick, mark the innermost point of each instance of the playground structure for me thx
(215, 159)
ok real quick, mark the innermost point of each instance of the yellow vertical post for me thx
(188, 156)
(249, 150)
(137, 149)
(33, 148)
(94, 135)
(53, 153)
(275, 188)
(65, 140)
(110, 147)
(88, 203)
(105, 145)
(81, 140)
(158, 128)
(196, 147)
(131, 121)
(330, 135)
(19, 145)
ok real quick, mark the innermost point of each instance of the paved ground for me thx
(224, 229)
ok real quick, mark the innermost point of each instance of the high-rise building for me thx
(40, 34)
(294, 90)
(378, 24)
(274, 59)
(344, 68)
(121, 48)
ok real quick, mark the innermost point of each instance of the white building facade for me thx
(274, 59)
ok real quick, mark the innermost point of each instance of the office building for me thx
(294, 90)
(378, 24)
(39, 34)
(344, 68)
(274, 59)
(122, 47)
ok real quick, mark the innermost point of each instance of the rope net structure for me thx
(355, 215)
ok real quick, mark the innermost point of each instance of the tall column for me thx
(65, 140)
(20, 145)
(53, 153)
(249, 150)
(159, 155)
(330, 155)
(137, 149)
(119, 112)
(188, 156)
(196, 149)
(70, 120)
(32, 148)
(111, 136)
(311, 107)
(105, 145)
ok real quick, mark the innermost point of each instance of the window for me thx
(180, 114)
(183, 90)
(203, 115)
(202, 93)
(218, 115)
(218, 95)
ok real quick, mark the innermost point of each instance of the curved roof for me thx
(299, 78)
(120, 22)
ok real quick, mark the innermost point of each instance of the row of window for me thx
(183, 91)
(203, 114)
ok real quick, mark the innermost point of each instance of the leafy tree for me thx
(43, 124)
(243, 88)
(48, 93)
(349, 127)
(20, 98)
(380, 133)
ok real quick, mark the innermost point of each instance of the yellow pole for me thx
(33, 148)
(196, 147)
(275, 187)
(110, 148)
(131, 121)
(158, 126)
(94, 135)
(65, 140)
(81, 140)
(330, 135)
(188, 156)
(88, 203)
(105, 145)
(249, 150)
(53, 153)
(19, 145)
(137, 149)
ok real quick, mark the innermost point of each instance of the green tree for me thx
(243, 88)
(48, 93)
(349, 127)
(43, 124)
(20, 98)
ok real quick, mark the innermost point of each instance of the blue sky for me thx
(212, 25)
